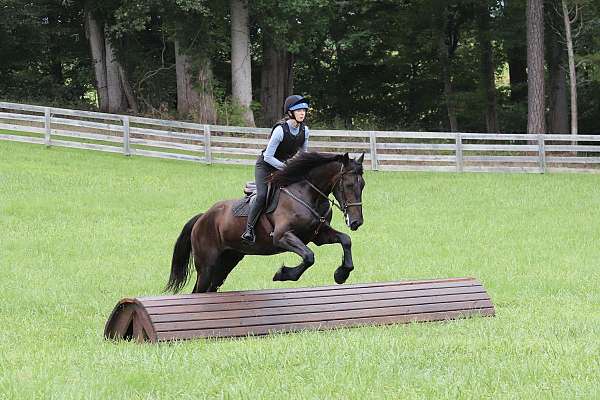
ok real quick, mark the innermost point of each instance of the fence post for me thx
(459, 153)
(373, 146)
(542, 153)
(47, 127)
(126, 149)
(207, 150)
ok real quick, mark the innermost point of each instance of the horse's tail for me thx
(181, 261)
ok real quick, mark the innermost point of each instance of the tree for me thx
(535, 67)
(241, 70)
(488, 81)
(113, 87)
(568, 21)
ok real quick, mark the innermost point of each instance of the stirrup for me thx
(249, 236)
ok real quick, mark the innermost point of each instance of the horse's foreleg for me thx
(328, 235)
(290, 242)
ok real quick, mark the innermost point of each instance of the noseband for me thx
(343, 207)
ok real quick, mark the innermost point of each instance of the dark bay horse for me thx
(302, 215)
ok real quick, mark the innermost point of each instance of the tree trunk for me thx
(206, 111)
(194, 88)
(488, 79)
(535, 67)
(116, 98)
(276, 80)
(572, 72)
(127, 90)
(516, 52)
(444, 60)
(558, 120)
(241, 70)
(186, 96)
(95, 33)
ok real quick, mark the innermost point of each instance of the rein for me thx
(343, 207)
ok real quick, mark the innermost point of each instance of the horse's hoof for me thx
(279, 274)
(341, 274)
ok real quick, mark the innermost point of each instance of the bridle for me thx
(343, 206)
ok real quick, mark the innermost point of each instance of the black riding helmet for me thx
(294, 102)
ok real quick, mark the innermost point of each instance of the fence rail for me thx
(217, 144)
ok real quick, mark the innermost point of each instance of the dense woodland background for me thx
(466, 65)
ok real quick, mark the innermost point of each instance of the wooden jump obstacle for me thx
(260, 312)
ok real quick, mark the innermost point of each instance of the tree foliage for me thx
(387, 64)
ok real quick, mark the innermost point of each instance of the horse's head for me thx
(348, 190)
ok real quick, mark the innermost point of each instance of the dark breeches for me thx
(261, 173)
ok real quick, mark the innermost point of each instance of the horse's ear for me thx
(361, 158)
(346, 158)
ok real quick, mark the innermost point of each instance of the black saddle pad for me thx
(241, 207)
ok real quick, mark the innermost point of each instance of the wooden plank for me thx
(22, 117)
(87, 146)
(573, 170)
(86, 135)
(217, 160)
(339, 145)
(417, 168)
(416, 146)
(88, 124)
(167, 123)
(22, 128)
(542, 153)
(47, 126)
(500, 147)
(167, 145)
(159, 154)
(239, 140)
(323, 325)
(200, 313)
(21, 107)
(235, 150)
(338, 133)
(496, 136)
(295, 299)
(573, 160)
(85, 114)
(417, 157)
(473, 168)
(502, 159)
(23, 139)
(322, 316)
(166, 134)
(414, 135)
(259, 312)
(571, 148)
(572, 138)
(126, 138)
(403, 285)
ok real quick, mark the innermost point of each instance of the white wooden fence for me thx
(384, 150)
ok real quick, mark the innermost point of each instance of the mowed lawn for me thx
(79, 230)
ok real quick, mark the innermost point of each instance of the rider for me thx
(287, 137)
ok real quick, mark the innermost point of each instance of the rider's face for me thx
(299, 115)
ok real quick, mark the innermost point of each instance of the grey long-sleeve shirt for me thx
(276, 138)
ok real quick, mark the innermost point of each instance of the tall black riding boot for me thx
(249, 236)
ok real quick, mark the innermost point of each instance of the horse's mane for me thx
(298, 167)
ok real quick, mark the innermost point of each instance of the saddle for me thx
(242, 206)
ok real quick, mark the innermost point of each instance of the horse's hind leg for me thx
(205, 265)
(227, 262)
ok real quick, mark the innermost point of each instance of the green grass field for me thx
(79, 230)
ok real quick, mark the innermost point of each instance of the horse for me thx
(302, 215)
